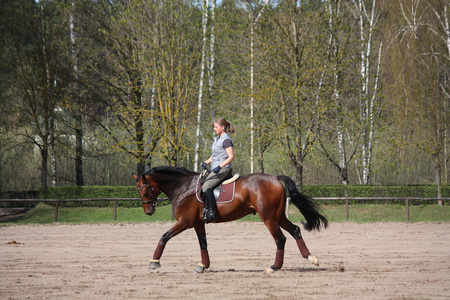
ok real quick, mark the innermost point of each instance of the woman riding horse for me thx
(254, 193)
(220, 160)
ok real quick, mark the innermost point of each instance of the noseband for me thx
(153, 197)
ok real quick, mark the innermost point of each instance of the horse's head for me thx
(148, 191)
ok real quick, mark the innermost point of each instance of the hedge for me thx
(374, 191)
(415, 191)
(88, 192)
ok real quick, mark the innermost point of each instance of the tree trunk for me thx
(212, 62)
(260, 159)
(200, 90)
(77, 116)
(251, 95)
(150, 140)
(53, 173)
(366, 101)
(438, 177)
(44, 161)
(136, 94)
(79, 150)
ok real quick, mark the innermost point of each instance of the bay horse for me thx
(257, 193)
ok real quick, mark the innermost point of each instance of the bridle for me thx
(154, 194)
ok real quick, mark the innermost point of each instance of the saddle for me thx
(224, 192)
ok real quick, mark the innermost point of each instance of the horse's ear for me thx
(135, 176)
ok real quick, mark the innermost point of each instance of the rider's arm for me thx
(230, 158)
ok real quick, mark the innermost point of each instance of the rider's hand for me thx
(204, 166)
(217, 169)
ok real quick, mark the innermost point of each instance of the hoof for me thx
(154, 264)
(313, 260)
(199, 269)
(271, 269)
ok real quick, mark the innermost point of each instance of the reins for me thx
(154, 199)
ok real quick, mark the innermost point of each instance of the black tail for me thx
(307, 206)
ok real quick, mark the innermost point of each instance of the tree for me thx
(369, 81)
(205, 10)
(293, 53)
(38, 73)
(339, 109)
(420, 61)
(77, 112)
(146, 68)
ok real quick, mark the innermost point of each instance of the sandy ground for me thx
(101, 261)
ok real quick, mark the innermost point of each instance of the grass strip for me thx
(358, 213)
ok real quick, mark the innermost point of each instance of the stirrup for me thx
(208, 217)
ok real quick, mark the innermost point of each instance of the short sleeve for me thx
(227, 143)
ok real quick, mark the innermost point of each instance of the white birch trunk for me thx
(366, 102)
(200, 92)
(363, 100)
(212, 62)
(148, 164)
(252, 84)
(251, 96)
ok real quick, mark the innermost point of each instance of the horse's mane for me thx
(169, 171)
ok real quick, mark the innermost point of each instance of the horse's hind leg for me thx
(280, 241)
(294, 230)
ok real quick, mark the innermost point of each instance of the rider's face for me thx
(219, 129)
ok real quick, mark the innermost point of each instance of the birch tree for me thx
(254, 16)
(202, 75)
(340, 108)
(369, 71)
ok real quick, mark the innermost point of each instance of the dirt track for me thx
(369, 261)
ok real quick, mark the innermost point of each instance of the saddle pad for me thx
(226, 192)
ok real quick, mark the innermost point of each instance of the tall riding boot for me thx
(209, 214)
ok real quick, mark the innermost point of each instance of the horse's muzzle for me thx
(150, 210)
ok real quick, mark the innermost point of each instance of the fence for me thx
(57, 201)
(346, 199)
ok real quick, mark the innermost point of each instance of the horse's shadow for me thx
(296, 270)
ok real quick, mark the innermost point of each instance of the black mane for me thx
(169, 171)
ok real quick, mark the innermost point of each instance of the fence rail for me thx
(406, 199)
(57, 201)
(346, 199)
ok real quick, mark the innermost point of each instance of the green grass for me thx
(358, 213)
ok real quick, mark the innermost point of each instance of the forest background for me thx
(328, 92)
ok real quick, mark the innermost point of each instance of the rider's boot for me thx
(209, 214)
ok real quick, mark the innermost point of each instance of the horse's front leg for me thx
(176, 229)
(201, 235)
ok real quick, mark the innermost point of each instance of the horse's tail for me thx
(307, 206)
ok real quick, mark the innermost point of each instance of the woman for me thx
(220, 160)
